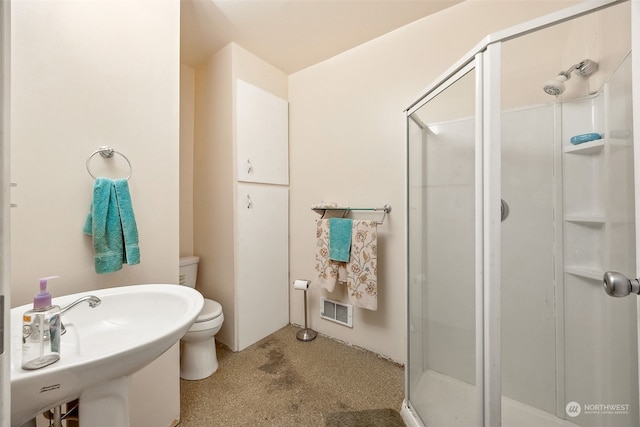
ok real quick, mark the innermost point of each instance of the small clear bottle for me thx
(41, 331)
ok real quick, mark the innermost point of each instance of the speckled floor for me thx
(282, 382)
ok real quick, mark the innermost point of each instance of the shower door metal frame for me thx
(487, 227)
(5, 261)
(490, 116)
(486, 59)
(450, 78)
(635, 95)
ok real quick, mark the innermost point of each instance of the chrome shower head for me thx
(556, 86)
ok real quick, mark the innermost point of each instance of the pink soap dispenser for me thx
(41, 331)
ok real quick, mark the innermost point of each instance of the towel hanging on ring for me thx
(111, 222)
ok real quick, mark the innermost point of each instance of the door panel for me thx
(262, 135)
(442, 280)
(263, 261)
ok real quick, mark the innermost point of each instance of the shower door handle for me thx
(618, 285)
(504, 210)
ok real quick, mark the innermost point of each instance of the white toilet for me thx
(198, 358)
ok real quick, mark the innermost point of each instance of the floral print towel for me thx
(329, 272)
(362, 268)
(360, 273)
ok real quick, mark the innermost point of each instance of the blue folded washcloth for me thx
(340, 238)
(112, 224)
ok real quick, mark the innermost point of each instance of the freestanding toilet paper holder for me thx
(305, 334)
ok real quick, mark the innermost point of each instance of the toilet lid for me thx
(210, 310)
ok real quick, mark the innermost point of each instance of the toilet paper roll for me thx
(300, 284)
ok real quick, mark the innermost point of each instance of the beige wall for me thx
(187, 105)
(214, 172)
(86, 74)
(213, 221)
(347, 144)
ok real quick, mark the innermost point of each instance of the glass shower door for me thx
(442, 261)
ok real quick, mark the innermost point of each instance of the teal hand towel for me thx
(111, 223)
(103, 223)
(128, 222)
(340, 239)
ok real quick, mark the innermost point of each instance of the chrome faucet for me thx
(93, 302)
(91, 299)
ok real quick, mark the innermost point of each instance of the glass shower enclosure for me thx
(521, 195)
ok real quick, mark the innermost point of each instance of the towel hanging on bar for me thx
(340, 238)
(361, 271)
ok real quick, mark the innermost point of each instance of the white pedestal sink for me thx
(102, 348)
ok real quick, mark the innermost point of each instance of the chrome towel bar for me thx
(346, 209)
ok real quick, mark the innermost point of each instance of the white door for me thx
(262, 135)
(262, 263)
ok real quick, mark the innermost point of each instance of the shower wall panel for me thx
(528, 287)
(528, 326)
(599, 234)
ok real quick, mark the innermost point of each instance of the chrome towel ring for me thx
(107, 152)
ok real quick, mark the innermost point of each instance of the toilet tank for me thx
(189, 271)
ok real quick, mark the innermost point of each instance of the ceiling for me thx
(292, 34)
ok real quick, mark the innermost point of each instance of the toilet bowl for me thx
(198, 359)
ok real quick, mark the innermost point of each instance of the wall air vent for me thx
(336, 312)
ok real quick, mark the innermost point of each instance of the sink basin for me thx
(130, 328)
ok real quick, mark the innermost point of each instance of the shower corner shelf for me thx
(596, 146)
(584, 272)
(585, 148)
(583, 207)
(589, 219)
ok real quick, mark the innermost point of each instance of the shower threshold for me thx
(445, 401)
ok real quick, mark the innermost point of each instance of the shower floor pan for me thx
(445, 401)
